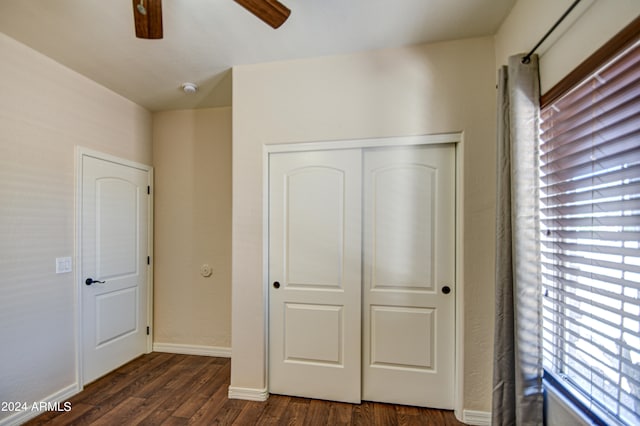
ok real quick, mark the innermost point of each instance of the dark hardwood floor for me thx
(169, 389)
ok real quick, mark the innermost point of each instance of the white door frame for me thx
(455, 138)
(81, 153)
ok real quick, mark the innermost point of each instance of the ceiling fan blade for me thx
(272, 12)
(147, 15)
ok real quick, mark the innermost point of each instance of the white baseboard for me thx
(179, 348)
(249, 394)
(59, 397)
(476, 418)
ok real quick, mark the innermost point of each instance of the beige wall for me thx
(47, 110)
(428, 89)
(192, 160)
(587, 27)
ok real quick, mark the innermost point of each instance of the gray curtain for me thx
(517, 369)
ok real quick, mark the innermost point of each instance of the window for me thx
(590, 242)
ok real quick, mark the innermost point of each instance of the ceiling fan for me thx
(147, 15)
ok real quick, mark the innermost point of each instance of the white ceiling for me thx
(203, 39)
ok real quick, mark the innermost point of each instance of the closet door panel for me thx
(315, 259)
(408, 254)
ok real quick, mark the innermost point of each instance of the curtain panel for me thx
(517, 369)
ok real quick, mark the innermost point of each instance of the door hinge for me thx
(148, 260)
(148, 189)
(148, 330)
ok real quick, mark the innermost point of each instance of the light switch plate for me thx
(63, 265)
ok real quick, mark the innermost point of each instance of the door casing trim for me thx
(452, 138)
(80, 154)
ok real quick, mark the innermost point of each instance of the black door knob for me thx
(276, 284)
(90, 281)
(446, 289)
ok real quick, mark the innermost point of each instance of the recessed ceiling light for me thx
(189, 88)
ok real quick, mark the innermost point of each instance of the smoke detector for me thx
(189, 88)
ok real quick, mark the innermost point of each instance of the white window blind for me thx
(590, 242)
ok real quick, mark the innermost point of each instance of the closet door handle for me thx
(276, 284)
(446, 289)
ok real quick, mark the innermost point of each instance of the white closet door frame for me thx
(454, 138)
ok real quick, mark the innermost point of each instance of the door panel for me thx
(115, 210)
(315, 227)
(314, 255)
(408, 249)
(116, 314)
(403, 207)
(324, 323)
(410, 349)
(117, 233)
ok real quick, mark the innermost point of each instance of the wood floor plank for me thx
(229, 412)
(132, 378)
(176, 369)
(219, 375)
(362, 414)
(385, 414)
(340, 413)
(178, 390)
(318, 413)
(121, 382)
(175, 421)
(295, 412)
(274, 410)
(167, 400)
(192, 373)
(121, 413)
(208, 413)
(250, 413)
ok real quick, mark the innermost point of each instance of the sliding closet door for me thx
(361, 275)
(315, 274)
(408, 275)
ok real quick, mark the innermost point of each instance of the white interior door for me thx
(114, 223)
(408, 275)
(315, 274)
